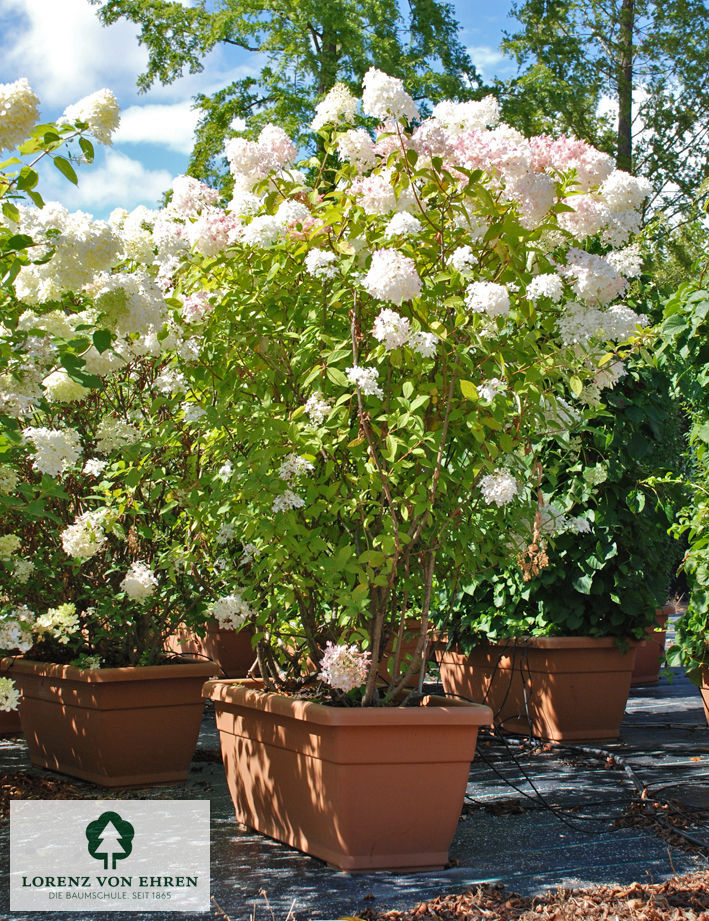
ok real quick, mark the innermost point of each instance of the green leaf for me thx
(575, 385)
(66, 169)
(10, 211)
(101, 339)
(469, 390)
(87, 148)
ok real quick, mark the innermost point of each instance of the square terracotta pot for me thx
(112, 726)
(554, 688)
(231, 650)
(650, 654)
(361, 789)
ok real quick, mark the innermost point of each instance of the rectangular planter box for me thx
(650, 654)
(231, 650)
(361, 789)
(554, 688)
(112, 726)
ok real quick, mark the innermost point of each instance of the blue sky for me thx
(65, 53)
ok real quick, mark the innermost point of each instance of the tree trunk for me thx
(624, 158)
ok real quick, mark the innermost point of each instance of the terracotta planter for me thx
(10, 723)
(650, 654)
(361, 789)
(230, 649)
(112, 726)
(408, 648)
(704, 689)
(555, 688)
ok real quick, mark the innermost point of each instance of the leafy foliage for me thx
(304, 48)
(607, 582)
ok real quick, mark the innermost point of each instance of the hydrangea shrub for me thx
(309, 406)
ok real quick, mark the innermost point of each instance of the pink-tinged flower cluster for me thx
(344, 668)
(561, 155)
(250, 161)
(190, 196)
(392, 277)
(196, 306)
(212, 231)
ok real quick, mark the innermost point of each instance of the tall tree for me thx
(304, 47)
(630, 76)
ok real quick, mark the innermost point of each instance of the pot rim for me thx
(250, 695)
(554, 642)
(21, 666)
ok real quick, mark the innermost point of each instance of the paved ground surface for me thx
(536, 816)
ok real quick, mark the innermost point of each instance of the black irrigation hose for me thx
(599, 753)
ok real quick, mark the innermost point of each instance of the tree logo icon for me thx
(110, 839)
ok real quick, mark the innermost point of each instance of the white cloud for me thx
(168, 125)
(65, 52)
(487, 59)
(117, 181)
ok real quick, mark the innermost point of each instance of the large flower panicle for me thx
(231, 611)
(19, 112)
(385, 97)
(392, 277)
(367, 379)
(499, 488)
(140, 582)
(99, 111)
(488, 297)
(9, 695)
(344, 668)
(338, 106)
(55, 450)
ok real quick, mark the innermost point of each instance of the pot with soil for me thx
(112, 726)
(360, 788)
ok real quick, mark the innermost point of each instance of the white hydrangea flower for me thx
(499, 487)
(623, 192)
(426, 344)
(488, 297)
(231, 612)
(293, 467)
(580, 525)
(99, 111)
(385, 97)
(287, 501)
(338, 106)
(628, 261)
(344, 667)
(9, 695)
(356, 146)
(489, 389)
(9, 544)
(317, 408)
(225, 471)
(609, 375)
(367, 379)
(226, 532)
(249, 552)
(392, 329)
(60, 623)
(392, 277)
(19, 113)
(548, 285)
(262, 231)
(55, 450)
(592, 277)
(85, 537)
(22, 570)
(60, 388)
(463, 259)
(94, 466)
(8, 479)
(113, 434)
(192, 412)
(321, 263)
(460, 117)
(290, 213)
(402, 224)
(139, 582)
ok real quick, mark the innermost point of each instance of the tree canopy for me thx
(646, 60)
(304, 47)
